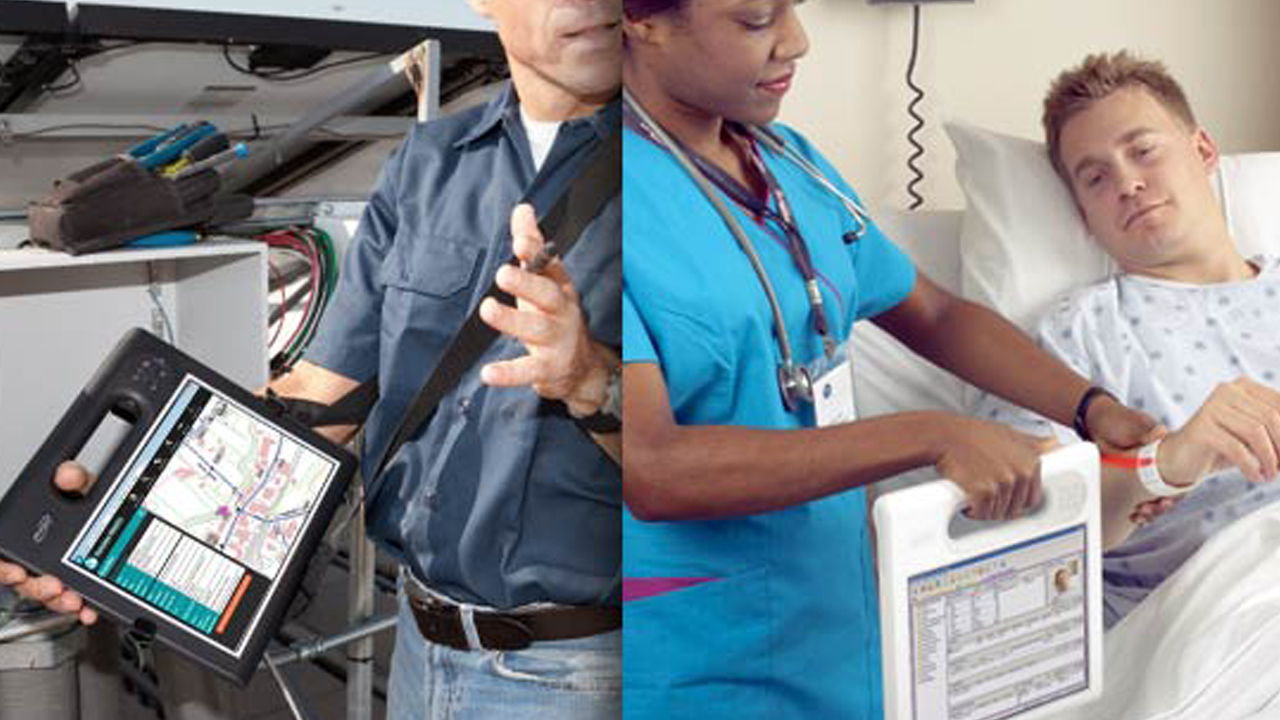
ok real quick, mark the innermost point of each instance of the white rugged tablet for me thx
(992, 620)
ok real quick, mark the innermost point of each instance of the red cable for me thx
(285, 240)
(292, 242)
(306, 309)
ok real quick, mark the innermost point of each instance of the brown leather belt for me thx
(441, 623)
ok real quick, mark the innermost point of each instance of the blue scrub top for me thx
(773, 615)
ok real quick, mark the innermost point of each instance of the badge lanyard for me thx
(797, 248)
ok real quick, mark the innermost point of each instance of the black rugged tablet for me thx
(203, 518)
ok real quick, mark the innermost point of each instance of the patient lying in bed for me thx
(1164, 347)
(1189, 331)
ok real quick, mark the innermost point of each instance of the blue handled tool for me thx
(172, 149)
(165, 239)
(239, 150)
(146, 147)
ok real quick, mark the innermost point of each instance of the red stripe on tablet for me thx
(235, 601)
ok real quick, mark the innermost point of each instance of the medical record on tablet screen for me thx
(999, 634)
(204, 516)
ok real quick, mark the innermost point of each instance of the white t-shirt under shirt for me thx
(541, 134)
(1162, 347)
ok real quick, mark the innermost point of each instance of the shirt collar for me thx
(504, 107)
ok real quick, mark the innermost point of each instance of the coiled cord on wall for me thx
(917, 175)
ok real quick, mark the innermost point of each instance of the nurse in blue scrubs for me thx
(749, 590)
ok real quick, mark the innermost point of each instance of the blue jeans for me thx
(579, 679)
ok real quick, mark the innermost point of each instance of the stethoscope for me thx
(794, 380)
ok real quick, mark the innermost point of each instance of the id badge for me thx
(833, 402)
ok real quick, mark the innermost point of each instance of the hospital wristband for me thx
(1149, 474)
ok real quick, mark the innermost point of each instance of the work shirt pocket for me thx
(429, 289)
(706, 648)
(435, 266)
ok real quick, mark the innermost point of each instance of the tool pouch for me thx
(115, 201)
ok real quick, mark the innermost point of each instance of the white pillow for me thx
(1023, 242)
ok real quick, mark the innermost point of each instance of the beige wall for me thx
(990, 62)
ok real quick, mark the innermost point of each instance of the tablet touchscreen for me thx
(204, 515)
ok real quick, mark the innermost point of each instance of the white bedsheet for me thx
(1205, 645)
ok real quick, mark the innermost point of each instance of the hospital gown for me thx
(1162, 347)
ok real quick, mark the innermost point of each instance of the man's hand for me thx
(1117, 427)
(70, 478)
(563, 363)
(997, 467)
(1238, 426)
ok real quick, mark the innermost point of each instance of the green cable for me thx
(322, 244)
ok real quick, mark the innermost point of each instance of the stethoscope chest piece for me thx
(796, 386)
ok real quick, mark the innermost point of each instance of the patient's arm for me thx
(1237, 427)
(1122, 494)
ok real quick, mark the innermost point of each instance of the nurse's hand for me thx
(1116, 427)
(563, 362)
(70, 478)
(997, 467)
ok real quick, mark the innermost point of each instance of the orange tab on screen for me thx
(235, 602)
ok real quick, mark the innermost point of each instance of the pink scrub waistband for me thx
(641, 588)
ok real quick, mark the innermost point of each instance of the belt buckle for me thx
(440, 623)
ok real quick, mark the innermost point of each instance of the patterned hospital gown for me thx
(1162, 347)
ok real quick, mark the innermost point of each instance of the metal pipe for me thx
(308, 650)
(385, 83)
(360, 592)
(286, 689)
(331, 668)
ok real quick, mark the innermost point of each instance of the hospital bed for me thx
(1206, 643)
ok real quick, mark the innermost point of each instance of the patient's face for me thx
(729, 59)
(1141, 178)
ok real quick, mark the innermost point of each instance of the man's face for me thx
(575, 45)
(1141, 178)
(730, 58)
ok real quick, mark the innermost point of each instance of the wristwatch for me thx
(1079, 424)
(608, 419)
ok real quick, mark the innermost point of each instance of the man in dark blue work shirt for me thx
(503, 506)
(505, 509)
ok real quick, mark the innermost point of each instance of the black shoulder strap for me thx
(580, 203)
